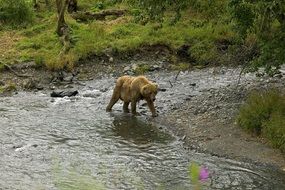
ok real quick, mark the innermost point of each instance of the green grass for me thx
(40, 43)
(15, 13)
(264, 114)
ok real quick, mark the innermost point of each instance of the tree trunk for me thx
(61, 24)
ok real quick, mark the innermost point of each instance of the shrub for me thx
(258, 109)
(264, 113)
(274, 130)
(15, 12)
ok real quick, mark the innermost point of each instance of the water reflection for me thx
(137, 130)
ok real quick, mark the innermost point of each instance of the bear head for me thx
(149, 91)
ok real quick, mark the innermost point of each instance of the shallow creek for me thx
(72, 143)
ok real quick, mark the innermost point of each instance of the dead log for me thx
(72, 6)
(86, 16)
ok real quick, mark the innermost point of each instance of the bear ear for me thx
(145, 90)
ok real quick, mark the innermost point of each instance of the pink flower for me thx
(204, 174)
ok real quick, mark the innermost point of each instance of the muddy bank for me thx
(207, 122)
(198, 105)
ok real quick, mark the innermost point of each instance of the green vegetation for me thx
(15, 13)
(265, 19)
(200, 30)
(215, 32)
(264, 114)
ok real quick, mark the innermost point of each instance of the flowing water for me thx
(72, 143)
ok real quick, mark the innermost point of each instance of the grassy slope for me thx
(39, 42)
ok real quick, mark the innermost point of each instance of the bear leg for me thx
(126, 107)
(114, 99)
(151, 107)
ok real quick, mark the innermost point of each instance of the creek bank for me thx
(207, 123)
(198, 105)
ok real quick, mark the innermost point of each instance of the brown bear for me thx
(132, 89)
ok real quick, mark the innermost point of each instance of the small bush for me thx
(15, 12)
(274, 130)
(264, 113)
(258, 109)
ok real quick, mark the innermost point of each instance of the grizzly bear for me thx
(131, 90)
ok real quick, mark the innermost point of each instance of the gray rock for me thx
(127, 69)
(104, 90)
(154, 68)
(134, 67)
(31, 84)
(68, 86)
(61, 94)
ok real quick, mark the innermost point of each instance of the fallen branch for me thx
(171, 85)
(242, 70)
(177, 75)
(14, 72)
(85, 16)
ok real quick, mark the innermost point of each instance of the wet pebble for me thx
(104, 90)
(162, 89)
(68, 86)
(61, 94)
(19, 148)
(154, 68)
(127, 69)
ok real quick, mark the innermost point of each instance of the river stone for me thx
(61, 94)
(135, 67)
(31, 84)
(126, 69)
(154, 68)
